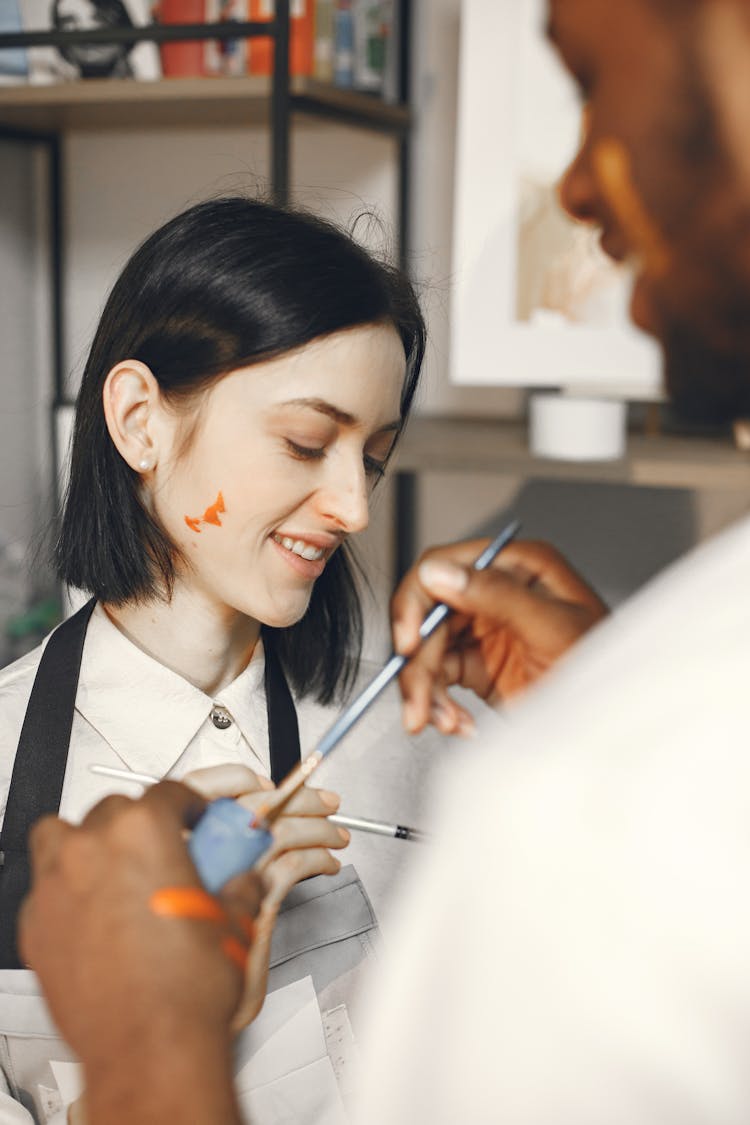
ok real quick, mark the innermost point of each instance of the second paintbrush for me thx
(354, 823)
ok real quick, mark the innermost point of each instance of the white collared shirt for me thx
(134, 713)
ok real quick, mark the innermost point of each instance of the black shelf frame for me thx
(378, 116)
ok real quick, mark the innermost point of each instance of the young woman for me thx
(249, 378)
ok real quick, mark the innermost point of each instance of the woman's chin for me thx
(285, 617)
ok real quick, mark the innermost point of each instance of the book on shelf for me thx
(109, 60)
(14, 63)
(187, 59)
(227, 57)
(301, 44)
(352, 44)
(323, 40)
(365, 46)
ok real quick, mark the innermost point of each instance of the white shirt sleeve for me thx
(576, 948)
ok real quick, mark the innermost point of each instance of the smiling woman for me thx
(223, 329)
(250, 375)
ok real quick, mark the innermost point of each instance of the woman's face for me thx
(279, 470)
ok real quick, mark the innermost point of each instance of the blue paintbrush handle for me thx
(396, 662)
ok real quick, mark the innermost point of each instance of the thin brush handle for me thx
(356, 823)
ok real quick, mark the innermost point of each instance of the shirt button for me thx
(220, 717)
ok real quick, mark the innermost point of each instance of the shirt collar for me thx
(148, 713)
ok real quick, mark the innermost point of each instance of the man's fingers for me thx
(416, 683)
(441, 575)
(45, 840)
(175, 801)
(244, 891)
(411, 603)
(490, 594)
(536, 563)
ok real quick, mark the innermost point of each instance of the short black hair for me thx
(228, 283)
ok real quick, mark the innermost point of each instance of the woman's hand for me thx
(510, 623)
(303, 837)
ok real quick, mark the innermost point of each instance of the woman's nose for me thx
(345, 499)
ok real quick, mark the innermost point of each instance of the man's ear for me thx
(131, 400)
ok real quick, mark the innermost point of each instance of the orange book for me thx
(302, 36)
(181, 60)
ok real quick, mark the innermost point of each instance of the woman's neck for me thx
(206, 644)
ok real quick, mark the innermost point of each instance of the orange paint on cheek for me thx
(211, 515)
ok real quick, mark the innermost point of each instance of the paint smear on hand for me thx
(612, 165)
(211, 515)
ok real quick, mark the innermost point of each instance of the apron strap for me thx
(39, 767)
(42, 756)
(283, 728)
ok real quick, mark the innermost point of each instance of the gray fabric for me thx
(325, 929)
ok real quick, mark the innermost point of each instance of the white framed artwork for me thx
(535, 301)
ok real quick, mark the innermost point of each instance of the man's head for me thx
(664, 169)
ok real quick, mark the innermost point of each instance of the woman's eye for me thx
(305, 452)
(374, 468)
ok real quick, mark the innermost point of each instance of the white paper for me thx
(287, 1035)
(69, 1079)
(305, 1097)
(284, 1072)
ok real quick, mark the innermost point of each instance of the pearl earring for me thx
(144, 464)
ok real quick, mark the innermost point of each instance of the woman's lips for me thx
(306, 568)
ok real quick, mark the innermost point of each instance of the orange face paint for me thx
(211, 515)
(612, 165)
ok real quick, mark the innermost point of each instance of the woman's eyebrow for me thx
(340, 416)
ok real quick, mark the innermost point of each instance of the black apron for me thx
(42, 755)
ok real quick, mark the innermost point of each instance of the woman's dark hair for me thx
(226, 284)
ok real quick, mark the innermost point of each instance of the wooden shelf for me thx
(181, 102)
(466, 445)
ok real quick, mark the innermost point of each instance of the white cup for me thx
(577, 429)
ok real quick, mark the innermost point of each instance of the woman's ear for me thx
(131, 400)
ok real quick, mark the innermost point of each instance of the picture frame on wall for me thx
(48, 65)
(535, 300)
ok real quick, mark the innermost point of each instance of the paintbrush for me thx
(357, 823)
(293, 782)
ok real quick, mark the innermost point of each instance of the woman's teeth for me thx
(299, 547)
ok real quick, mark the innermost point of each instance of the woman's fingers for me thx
(306, 802)
(228, 780)
(292, 833)
(284, 871)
